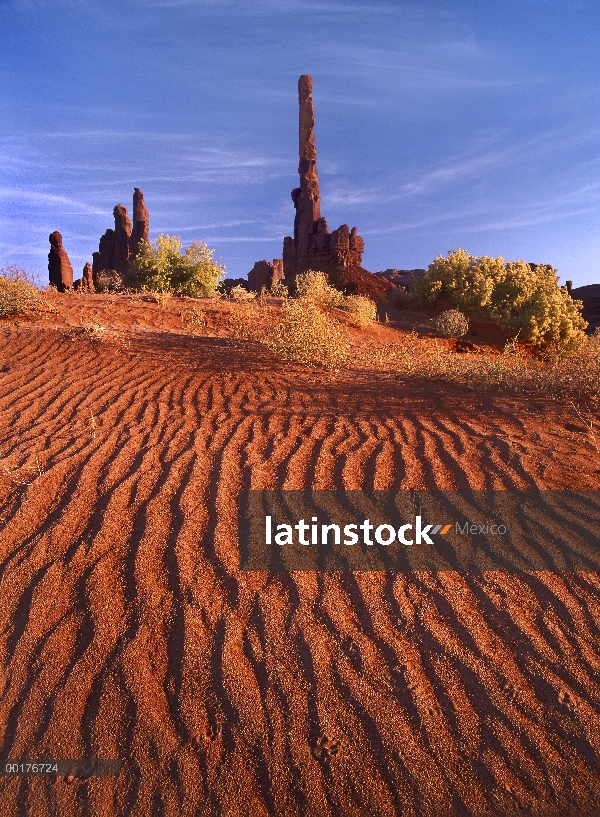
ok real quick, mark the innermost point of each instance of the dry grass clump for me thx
(307, 335)
(363, 311)
(109, 281)
(451, 324)
(278, 290)
(299, 332)
(19, 295)
(160, 298)
(558, 374)
(240, 293)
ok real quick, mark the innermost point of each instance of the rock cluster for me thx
(119, 246)
(265, 274)
(60, 271)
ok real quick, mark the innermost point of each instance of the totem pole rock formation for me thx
(141, 222)
(119, 246)
(313, 246)
(60, 271)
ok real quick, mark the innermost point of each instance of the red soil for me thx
(129, 632)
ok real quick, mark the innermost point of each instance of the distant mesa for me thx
(402, 277)
(60, 271)
(313, 246)
(590, 295)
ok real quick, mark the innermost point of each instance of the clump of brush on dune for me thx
(19, 296)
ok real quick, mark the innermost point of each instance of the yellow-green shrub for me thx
(314, 286)
(363, 311)
(517, 296)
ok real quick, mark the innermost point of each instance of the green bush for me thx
(517, 296)
(314, 286)
(451, 324)
(162, 267)
(399, 297)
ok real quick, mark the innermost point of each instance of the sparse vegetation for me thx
(363, 311)
(399, 297)
(193, 319)
(517, 296)
(240, 293)
(162, 267)
(279, 290)
(451, 324)
(314, 286)
(307, 335)
(161, 298)
(19, 295)
(109, 281)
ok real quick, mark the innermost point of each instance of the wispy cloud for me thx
(19, 197)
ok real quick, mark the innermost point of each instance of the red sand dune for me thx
(129, 632)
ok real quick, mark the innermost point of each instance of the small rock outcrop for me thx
(141, 222)
(265, 274)
(87, 279)
(60, 271)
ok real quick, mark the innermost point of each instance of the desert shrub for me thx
(427, 292)
(363, 311)
(18, 293)
(309, 336)
(517, 296)
(314, 286)
(451, 324)
(240, 293)
(162, 266)
(528, 299)
(399, 297)
(109, 281)
(279, 290)
(161, 298)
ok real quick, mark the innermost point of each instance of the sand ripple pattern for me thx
(127, 630)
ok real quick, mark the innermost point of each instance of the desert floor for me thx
(128, 631)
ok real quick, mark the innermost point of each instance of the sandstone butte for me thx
(313, 245)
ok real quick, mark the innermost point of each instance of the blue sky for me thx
(438, 125)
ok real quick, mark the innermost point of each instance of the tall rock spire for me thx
(313, 245)
(141, 222)
(307, 200)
